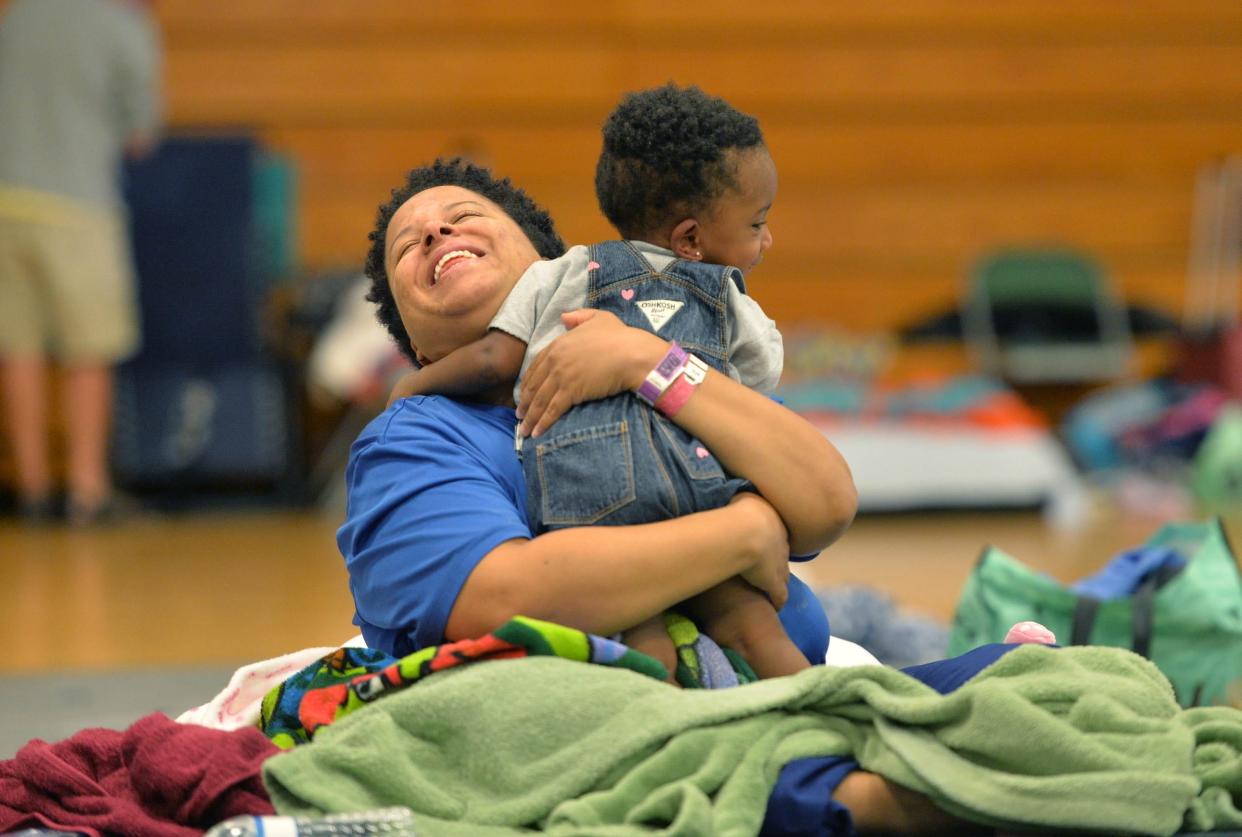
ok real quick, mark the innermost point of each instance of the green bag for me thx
(1188, 622)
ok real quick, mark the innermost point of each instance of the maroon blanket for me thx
(157, 778)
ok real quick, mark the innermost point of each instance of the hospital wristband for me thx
(679, 392)
(665, 372)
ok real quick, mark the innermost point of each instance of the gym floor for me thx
(107, 625)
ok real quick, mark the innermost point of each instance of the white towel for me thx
(238, 704)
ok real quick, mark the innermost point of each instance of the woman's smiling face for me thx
(452, 256)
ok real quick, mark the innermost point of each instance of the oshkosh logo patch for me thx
(659, 311)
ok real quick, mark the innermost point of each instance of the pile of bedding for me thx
(956, 442)
(539, 726)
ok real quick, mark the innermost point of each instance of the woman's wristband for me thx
(665, 372)
(679, 392)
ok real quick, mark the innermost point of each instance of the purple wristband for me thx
(665, 372)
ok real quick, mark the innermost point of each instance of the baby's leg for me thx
(738, 616)
(651, 638)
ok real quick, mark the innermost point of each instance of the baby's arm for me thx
(477, 367)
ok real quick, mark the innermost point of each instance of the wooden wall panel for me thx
(325, 83)
(732, 21)
(910, 135)
(864, 152)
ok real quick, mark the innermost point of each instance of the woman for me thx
(436, 541)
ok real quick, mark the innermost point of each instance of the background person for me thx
(79, 89)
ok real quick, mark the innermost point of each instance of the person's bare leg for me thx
(879, 806)
(651, 638)
(739, 617)
(26, 415)
(88, 419)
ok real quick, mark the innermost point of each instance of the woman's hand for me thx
(599, 356)
(770, 546)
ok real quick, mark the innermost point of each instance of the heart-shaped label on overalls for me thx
(627, 294)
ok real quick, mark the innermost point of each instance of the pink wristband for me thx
(680, 390)
(665, 372)
(675, 397)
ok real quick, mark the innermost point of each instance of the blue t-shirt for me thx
(433, 486)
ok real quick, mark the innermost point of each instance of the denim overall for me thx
(617, 461)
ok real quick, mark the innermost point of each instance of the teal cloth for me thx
(1075, 738)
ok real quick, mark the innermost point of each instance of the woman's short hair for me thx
(533, 220)
(665, 154)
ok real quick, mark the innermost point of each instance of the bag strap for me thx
(1085, 610)
(1143, 615)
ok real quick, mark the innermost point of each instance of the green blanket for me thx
(1076, 738)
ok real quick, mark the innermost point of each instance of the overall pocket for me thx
(696, 460)
(585, 474)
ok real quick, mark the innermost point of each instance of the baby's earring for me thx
(698, 254)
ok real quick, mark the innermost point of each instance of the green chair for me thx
(1045, 316)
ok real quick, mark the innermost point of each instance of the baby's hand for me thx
(769, 543)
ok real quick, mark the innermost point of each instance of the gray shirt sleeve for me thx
(139, 102)
(519, 311)
(532, 311)
(756, 349)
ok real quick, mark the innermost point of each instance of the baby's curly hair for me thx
(665, 153)
(533, 219)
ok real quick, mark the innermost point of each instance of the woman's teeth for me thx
(448, 257)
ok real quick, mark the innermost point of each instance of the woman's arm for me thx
(792, 463)
(605, 579)
(436, 541)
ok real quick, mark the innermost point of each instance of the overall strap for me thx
(617, 261)
(712, 280)
(739, 280)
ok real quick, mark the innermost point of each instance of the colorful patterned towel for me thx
(701, 663)
(280, 714)
(350, 678)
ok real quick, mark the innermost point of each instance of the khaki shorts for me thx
(67, 287)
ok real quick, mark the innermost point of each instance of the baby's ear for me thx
(684, 240)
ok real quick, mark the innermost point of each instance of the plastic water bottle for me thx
(391, 822)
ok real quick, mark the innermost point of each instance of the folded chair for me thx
(1045, 316)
